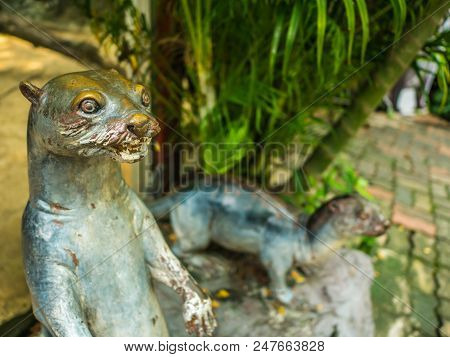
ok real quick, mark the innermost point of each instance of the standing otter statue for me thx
(250, 221)
(91, 247)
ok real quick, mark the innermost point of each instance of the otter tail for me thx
(161, 207)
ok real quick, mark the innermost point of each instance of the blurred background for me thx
(356, 89)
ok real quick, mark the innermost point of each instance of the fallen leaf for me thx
(281, 310)
(297, 277)
(215, 304)
(222, 294)
(265, 292)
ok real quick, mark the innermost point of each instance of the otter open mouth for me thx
(131, 149)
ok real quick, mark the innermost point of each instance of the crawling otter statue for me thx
(90, 246)
(250, 221)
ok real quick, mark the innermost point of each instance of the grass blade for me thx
(350, 13)
(400, 10)
(291, 35)
(275, 43)
(364, 15)
(321, 26)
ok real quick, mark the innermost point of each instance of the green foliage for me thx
(437, 51)
(244, 71)
(340, 178)
(118, 23)
(368, 245)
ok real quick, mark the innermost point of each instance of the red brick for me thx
(380, 193)
(412, 222)
(444, 150)
(439, 171)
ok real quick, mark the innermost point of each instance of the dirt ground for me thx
(19, 60)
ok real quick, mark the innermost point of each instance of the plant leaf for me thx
(321, 26)
(364, 15)
(350, 13)
(275, 42)
(291, 34)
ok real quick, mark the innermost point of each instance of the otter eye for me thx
(145, 98)
(89, 106)
(363, 216)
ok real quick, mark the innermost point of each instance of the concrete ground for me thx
(19, 60)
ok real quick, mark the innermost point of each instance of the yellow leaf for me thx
(133, 62)
(222, 294)
(172, 237)
(427, 250)
(157, 147)
(297, 277)
(265, 292)
(281, 310)
(215, 304)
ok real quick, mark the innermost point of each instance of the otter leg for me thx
(166, 268)
(277, 266)
(191, 224)
(56, 300)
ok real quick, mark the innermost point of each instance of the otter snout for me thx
(140, 125)
(383, 226)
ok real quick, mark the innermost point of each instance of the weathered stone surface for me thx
(445, 329)
(417, 252)
(390, 289)
(438, 189)
(443, 252)
(424, 247)
(443, 277)
(423, 300)
(443, 228)
(413, 183)
(398, 240)
(404, 195)
(422, 201)
(335, 301)
(444, 309)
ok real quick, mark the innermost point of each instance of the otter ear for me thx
(30, 91)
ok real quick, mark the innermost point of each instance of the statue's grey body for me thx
(99, 247)
(91, 247)
(251, 221)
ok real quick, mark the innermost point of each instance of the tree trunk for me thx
(386, 75)
(84, 52)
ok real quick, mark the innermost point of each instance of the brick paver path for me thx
(407, 163)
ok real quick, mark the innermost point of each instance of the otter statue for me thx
(91, 247)
(247, 220)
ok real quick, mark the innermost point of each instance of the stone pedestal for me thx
(333, 302)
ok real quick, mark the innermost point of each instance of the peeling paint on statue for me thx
(90, 245)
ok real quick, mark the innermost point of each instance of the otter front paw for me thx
(198, 316)
(284, 295)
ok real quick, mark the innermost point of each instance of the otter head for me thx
(92, 113)
(350, 215)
